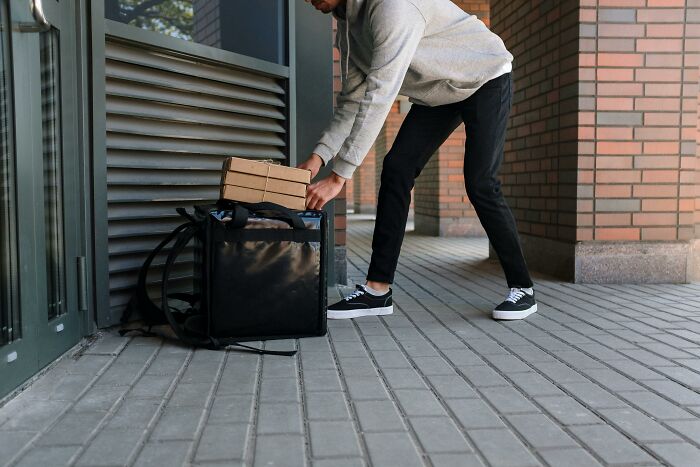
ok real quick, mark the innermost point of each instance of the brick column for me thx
(601, 151)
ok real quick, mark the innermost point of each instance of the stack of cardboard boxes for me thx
(255, 181)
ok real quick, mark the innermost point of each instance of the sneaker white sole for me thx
(512, 315)
(347, 314)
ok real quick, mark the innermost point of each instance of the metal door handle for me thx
(41, 24)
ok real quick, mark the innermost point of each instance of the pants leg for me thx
(421, 134)
(485, 114)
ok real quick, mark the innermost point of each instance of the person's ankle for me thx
(378, 286)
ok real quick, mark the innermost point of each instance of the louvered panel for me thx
(171, 121)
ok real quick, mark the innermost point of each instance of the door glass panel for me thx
(53, 171)
(257, 28)
(9, 315)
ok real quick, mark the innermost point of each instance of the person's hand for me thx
(313, 163)
(319, 193)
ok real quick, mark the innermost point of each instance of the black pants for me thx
(485, 114)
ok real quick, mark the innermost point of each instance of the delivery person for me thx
(454, 70)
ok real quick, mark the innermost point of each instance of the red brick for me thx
(617, 233)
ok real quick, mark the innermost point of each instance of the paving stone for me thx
(326, 406)
(110, 447)
(378, 416)
(688, 428)
(392, 449)
(177, 423)
(134, 414)
(677, 454)
(72, 429)
(232, 409)
(451, 387)
(656, 406)
(455, 460)
(387, 359)
(509, 400)
(280, 418)
(366, 388)
(333, 439)
(439, 434)
(223, 443)
(120, 374)
(567, 411)
(501, 448)
(321, 380)
(282, 450)
(163, 453)
(400, 378)
(534, 384)
(356, 462)
(11, 442)
(48, 455)
(474, 413)
(482, 376)
(318, 360)
(151, 386)
(593, 395)
(20, 415)
(279, 390)
(418, 402)
(540, 432)
(576, 457)
(100, 398)
(610, 445)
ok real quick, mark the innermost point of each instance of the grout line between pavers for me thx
(204, 417)
(13, 460)
(354, 418)
(141, 443)
(115, 406)
(251, 442)
(411, 431)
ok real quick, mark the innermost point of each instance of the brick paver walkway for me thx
(601, 375)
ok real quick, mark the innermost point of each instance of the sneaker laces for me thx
(515, 295)
(359, 291)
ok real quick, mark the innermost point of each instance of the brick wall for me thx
(601, 153)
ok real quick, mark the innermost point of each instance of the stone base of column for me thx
(341, 265)
(365, 208)
(448, 226)
(613, 262)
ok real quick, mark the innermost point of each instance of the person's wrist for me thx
(317, 159)
(337, 178)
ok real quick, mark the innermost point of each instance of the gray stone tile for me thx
(134, 414)
(223, 443)
(677, 454)
(163, 453)
(502, 449)
(575, 457)
(439, 434)
(567, 411)
(452, 387)
(637, 425)
(321, 380)
(474, 413)
(177, 423)
(326, 406)
(366, 388)
(508, 400)
(656, 406)
(333, 439)
(392, 449)
(110, 447)
(232, 409)
(286, 450)
(12, 442)
(418, 402)
(280, 418)
(610, 445)
(402, 378)
(455, 460)
(378, 416)
(48, 455)
(72, 429)
(540, 432)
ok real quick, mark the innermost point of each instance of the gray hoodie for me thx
(428, 50)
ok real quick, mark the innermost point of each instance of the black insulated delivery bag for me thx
(259, 274)
(262, 270)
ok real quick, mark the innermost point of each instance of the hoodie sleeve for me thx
(347, 105)
(397, 27)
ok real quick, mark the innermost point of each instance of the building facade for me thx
(114, 113)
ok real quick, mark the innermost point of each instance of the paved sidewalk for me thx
(602, 375)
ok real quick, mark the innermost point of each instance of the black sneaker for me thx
(361, 303)
(518, 305)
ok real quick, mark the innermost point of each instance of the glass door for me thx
(40, 257)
